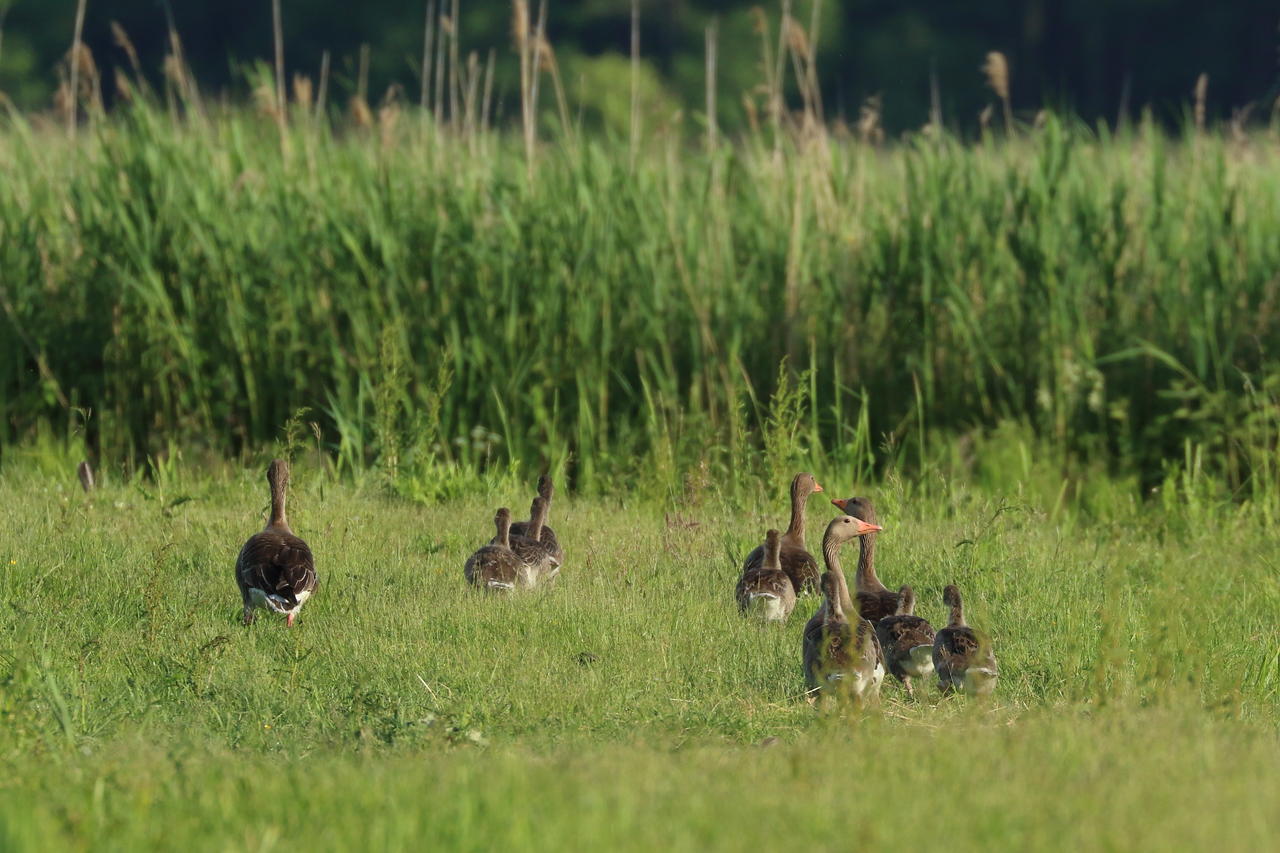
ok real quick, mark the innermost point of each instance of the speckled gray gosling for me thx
(766, 592)
(495, 567)
(963, 658)
(907, 641)
(796, 560)
(275, 569)
(841, 658)
(875, 600)
(540, 562)
(548, 536)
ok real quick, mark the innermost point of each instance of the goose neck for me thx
(866, 576)
(831, 556)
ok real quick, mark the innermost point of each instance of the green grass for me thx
(1137, 706)
(174, 277)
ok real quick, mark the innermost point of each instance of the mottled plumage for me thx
(547, 536)
(541, 563)
(275, 569)
(495, 567)
(907, 641)
(840, 657)
(767, 591)
(794, 558)
(962, 657)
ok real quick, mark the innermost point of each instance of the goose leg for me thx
(288, 621)
(911, 691)
(248, 614)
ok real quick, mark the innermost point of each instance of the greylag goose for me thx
(875, 600)
(796, 561)
(840, 657)
(495, 567)
(275, 569)
(907, 641)
(538, 556)
(963, 657)
(548, 536)
(766, 591)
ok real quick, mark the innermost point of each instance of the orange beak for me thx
(839, 502)
(865, 527)
(817, 487)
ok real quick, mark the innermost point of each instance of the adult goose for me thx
(766, 591)
(495, 567)
(907, 641)
(275, 569)
(963, 657)
(538, 556)
(796, 561)
(875, 600)
(548, 536)
(840, 657)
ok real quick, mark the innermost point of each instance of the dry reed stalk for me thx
(389, 116)
(869, 129)
(996, 69)
(935, 100)
(779, 68)
(984, 119)
(440, 53)
(359, 103)
(520, 32)
(323, 97)
(711, 38)
(302, 92)
(550, 66)
(488, 91)
(1201, 93)
(424, 86)
(73, 85)
(529, 96)
(469, 108)
(122, 41)
(814, 32)
(454, 90)
(277, 31)
(634, 135)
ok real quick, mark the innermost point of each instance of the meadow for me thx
(1047, 352)
(631, 706)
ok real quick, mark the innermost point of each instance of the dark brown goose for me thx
(963, 658)
(875, 600)
(275, 569)
(796, 560)
(538, 556)
(521, 528)
(495, 567)
(907, 641)
(766, 591)
(840, 657)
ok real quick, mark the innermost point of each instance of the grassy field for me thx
(631, 706)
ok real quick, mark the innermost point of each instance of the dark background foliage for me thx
(1096, 58)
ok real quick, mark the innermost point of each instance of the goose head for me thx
(858, 507)
(845, 527)
(803, 485)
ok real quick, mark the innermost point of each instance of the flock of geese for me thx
(849, 643)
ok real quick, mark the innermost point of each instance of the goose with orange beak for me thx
(875, 600)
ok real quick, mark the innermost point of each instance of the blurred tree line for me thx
(1097, 58)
